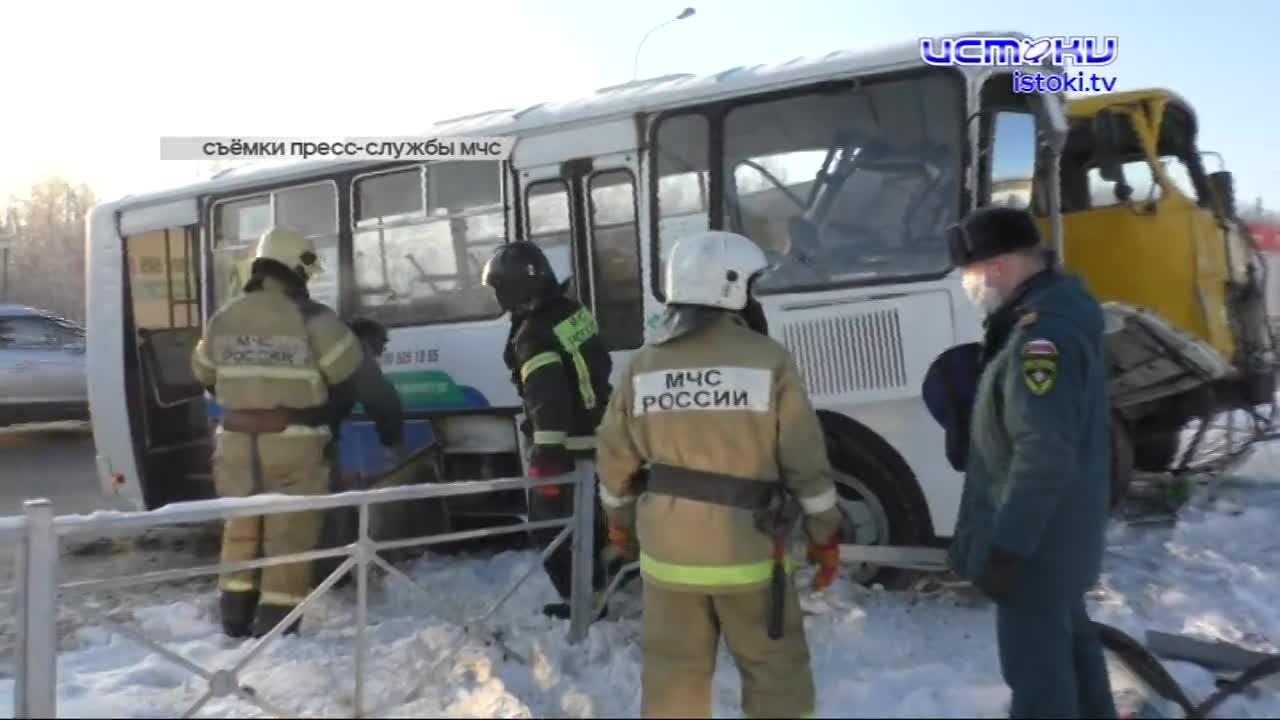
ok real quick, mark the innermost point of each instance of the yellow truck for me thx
(1156, 237)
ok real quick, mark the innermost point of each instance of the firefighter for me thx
(273, 357)
(1033, 515)
(561, 369)
(719, 415)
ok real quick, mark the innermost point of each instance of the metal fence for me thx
(37, 533)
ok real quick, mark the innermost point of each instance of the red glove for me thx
(827, 558)
(622, 547)
(548, 461)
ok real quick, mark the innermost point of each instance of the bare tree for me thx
(46, 265)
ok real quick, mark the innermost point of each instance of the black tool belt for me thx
(713, 488)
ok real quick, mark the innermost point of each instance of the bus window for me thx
(619, 302)
(421, 238)
(681, 160)
(850, 186)
(236, 227)
(163, 279)
(311, 209)
(549, 225)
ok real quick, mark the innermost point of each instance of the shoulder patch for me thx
(1039, 365)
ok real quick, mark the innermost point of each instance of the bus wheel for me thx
(1156, 452)
(880, 506)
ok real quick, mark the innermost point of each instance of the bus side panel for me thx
(864, 353)
(108, 406)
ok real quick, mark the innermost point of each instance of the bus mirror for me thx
(1222, 184)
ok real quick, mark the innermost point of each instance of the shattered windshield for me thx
(850, 185)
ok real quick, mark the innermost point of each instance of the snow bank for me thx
(875, 654)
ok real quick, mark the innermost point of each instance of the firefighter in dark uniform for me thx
(561, 369)
(719, 415)
(274, 358)
(1033, 516)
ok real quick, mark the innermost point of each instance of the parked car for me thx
(43, 372)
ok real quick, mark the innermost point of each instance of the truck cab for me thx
(1156, 237)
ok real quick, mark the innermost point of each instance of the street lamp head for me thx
(687, 12)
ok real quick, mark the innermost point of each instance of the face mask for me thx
(980, 292)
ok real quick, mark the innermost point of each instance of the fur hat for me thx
(991, 231)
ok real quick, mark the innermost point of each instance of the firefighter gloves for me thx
(827, 558)
(621, 547)
(547, 461)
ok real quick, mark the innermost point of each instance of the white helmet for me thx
(289, 248)
(712, 268)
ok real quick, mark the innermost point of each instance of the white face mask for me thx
(980, 292)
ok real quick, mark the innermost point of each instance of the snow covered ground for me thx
(875, 653)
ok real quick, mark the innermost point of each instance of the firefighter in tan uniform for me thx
(719, 415)
(271, 357)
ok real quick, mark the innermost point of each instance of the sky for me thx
(90, 87)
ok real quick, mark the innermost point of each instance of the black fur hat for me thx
(991, 231)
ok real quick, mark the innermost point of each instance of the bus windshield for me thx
(843, 186)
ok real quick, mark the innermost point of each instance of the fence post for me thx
(363, 550)
(36, 691)
(581, 605)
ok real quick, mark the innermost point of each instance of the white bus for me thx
(844, 168)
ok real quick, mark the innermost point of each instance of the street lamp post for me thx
(635, 68)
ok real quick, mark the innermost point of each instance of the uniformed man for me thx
(382, 403)
(561, 369)
(387, 413)
(719, 414)
(273, 357)
(1030, 534)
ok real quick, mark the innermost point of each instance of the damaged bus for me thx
(846, 169)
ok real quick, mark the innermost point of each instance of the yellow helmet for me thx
(289, 248)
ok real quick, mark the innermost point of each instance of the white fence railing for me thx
(37, 533)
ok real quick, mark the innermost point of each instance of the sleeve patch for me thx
(1040, 365)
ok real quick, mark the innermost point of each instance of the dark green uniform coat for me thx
(1037, 486)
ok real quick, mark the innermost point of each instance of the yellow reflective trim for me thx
(336, 352)
(262, 371)
(279, 598)
(549, 437)
(581, 442)
(587, 392)
(311, 376)
(710, 575)
(573, 332)
(537, 362)
(233, 584)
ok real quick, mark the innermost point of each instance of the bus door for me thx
(583, 214)
(162, 324)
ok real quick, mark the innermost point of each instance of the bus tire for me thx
(1122, 460)
(1156, 452)
(876, 488)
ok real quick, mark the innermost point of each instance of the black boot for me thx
(560, 610)
(270, 615)
(238, 609)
